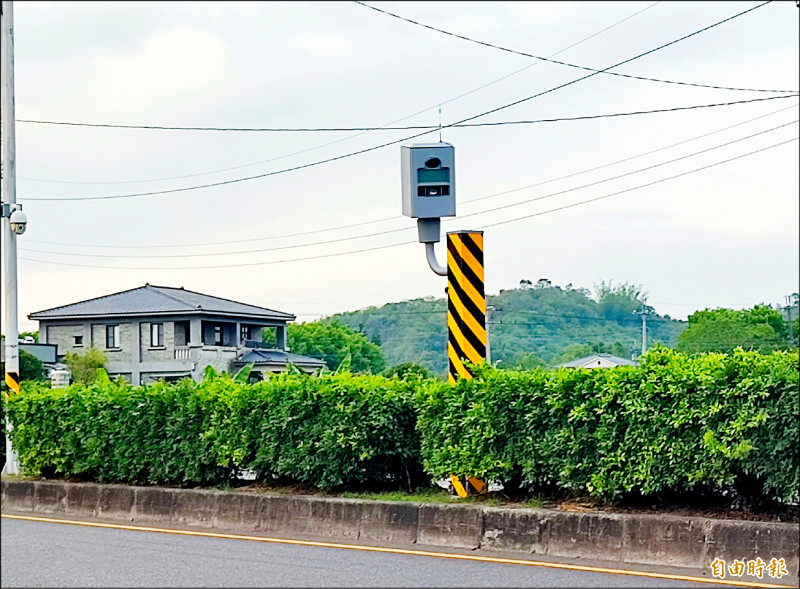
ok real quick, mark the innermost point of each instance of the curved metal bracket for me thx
(430, 253)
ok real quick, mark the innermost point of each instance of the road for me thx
(48, 554)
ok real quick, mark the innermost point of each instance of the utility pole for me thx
(9, 207)
(644, 328)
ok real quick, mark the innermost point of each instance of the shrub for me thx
(676, 424)
(84, 367)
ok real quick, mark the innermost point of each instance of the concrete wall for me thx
(164, 353)
(63, 335)
(661, 540)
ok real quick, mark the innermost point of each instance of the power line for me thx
(515, 204)
(336, 158)
(375, 248)
(572, 65)
(364, 132)
(328, 229)
(405, 229)
(638, 187)
(407, 128)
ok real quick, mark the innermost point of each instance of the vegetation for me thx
(535, 323)
(761, 328)
(334, 342)
(722, 424)
(85, 367)
(30, 367)
(711, 423)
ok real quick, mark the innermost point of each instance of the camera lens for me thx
(434, 162)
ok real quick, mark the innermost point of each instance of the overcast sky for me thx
(723, 236)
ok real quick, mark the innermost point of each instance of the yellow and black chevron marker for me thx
(466, 302)
(466, 320)
(12, 380)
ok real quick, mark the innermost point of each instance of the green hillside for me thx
(527, 325)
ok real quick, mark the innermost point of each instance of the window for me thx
(217, 335)
(156, 335)
(246, 333)
(181, 333)
(78, 340)
(112, 336)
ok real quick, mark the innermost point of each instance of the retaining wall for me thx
(666, 540)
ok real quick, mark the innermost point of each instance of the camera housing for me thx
(19, 221)
(428, 180)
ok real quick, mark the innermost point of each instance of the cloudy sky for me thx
(698, 205)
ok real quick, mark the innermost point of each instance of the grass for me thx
(432, 495)
(422, 496)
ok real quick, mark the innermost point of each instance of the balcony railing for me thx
(182, 353)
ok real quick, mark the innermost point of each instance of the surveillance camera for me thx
(19, 221)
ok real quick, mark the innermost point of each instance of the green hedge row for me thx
(331, 431)
(673, 424)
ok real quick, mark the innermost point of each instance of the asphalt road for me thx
(45, 554)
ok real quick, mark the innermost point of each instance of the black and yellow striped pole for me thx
(12, 381)
(466, 302)
(466, 320)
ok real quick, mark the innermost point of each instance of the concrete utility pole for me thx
(644, 328)
(9, 205)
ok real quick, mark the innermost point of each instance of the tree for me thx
(573, 352)
(30, 367)
(33, 334)
(528, 361)
(723, 330)
(84, 367)
(618, 302)
(331, 341)
(407, 370)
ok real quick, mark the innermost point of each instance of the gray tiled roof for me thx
(150, 299)
(610, 358)
(262, 356)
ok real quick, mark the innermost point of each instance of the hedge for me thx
(331, 431)
(677, 423)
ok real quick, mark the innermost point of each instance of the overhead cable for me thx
(368, 149)
(410, 127)
(410, 228)
(440, 104)
(380, 247)
(373, 221)
(572, 65)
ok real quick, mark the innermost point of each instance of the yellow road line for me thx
(399, 551)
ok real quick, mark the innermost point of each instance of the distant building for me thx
(46, 353)
(598, 361)
(154, 332)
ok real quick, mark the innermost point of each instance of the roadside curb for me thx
(664, 540)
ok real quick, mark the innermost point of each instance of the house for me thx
(598, 361)
(154, 332)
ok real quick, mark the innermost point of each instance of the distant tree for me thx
(573, 352)
(332, 341)
(33, 334)
(618, 302)
(407, 370)
(85, 367)
(795, 328)
(528, 361)
(722, 330)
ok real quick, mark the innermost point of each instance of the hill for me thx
(536, 323)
